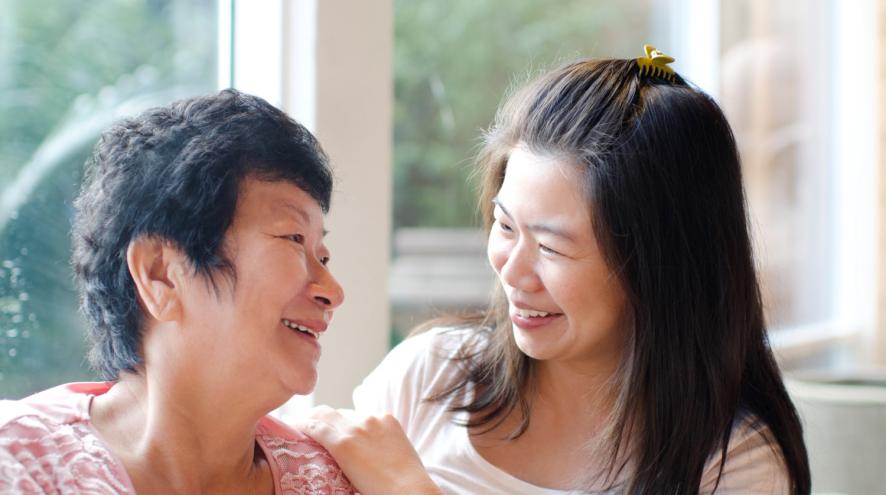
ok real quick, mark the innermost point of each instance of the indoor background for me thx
(399, 91)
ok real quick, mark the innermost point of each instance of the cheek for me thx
(597, 297)
(270, 278)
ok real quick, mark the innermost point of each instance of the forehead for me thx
(543, 185)
(263, 201)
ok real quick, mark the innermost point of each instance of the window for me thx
(779, 114)
(796, 85)
(67, 71)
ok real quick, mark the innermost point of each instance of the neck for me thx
(179, 431)
(581, 396)
(564, 445)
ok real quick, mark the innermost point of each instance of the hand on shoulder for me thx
(372, 450)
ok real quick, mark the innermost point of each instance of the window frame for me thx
(312, 51)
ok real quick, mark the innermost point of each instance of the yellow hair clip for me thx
(655, 64)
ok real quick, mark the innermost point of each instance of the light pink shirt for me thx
(48, 445)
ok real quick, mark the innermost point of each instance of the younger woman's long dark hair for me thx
(663, 182)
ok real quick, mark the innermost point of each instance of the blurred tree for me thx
(454, 61)
(67, 70)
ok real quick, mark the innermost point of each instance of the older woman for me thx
(202, 270)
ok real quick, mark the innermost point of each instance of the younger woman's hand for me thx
(373, 451)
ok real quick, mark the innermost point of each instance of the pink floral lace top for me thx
(48, 445)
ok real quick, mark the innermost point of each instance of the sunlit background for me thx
(67, 70)
(400, 91)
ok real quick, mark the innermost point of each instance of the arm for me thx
(373, 452)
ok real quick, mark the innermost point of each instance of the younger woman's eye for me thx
(546, 249)
(505, 227)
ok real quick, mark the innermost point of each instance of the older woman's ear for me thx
(157, 267)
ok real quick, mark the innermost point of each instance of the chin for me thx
(527, 347)
(301, 383)
(305, 391)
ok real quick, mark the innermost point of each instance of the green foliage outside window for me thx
(67, 70)
(453, 62)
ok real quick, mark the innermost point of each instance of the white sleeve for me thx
(396, 386)
(420, 366)
(754, 465)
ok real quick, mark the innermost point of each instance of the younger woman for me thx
(626, 349)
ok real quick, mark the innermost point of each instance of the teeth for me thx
(301, 328)
(528, 313)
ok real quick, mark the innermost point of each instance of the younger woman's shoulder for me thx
(414, 369)
(754, 462)
(437, 351)
(442, 342)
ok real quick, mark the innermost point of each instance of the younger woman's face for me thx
(565, 303)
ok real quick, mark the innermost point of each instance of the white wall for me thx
(352, 117)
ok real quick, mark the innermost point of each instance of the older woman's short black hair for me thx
(174, 172)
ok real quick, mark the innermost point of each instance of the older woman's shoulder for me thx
(298, 463)
(68, 403)
(41, 414)
(46, 441)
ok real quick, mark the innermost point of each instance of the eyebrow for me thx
(300, 212)
(539, 227)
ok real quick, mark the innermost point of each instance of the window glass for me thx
(778, 107)
(67, 71)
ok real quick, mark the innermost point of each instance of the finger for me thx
(319, 421)
(321, 412)
(340, 418)
(351, 415)
(321, 432)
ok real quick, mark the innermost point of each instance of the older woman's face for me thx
(266, 330)
(565, 303)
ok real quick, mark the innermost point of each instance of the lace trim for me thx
(306, 468)
(38, 457)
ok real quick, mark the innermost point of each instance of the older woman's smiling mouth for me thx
(301, 328)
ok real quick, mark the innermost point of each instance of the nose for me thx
(515, 264)
(326, 290)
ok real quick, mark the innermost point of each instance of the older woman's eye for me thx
(297, 238)
(547, 250)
